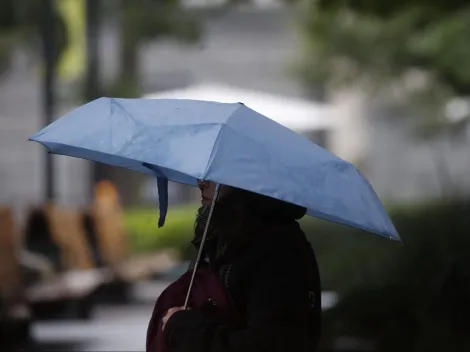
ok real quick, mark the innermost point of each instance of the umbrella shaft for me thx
(201, 246)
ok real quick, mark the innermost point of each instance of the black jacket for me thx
(275, 284)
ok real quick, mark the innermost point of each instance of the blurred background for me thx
(383, 84)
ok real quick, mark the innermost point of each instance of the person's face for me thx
(208, 191)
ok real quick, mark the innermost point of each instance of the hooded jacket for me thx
(272, 279)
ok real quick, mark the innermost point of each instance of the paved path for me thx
(112, 329)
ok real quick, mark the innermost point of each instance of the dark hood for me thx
(241, 215)
(271, 209)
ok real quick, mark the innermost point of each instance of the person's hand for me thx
(169, 313)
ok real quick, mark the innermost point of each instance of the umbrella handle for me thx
(201, 246)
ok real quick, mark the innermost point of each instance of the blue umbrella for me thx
(231, 144)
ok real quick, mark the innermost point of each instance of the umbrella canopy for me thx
(227, 143)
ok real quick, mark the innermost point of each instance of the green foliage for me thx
(124, 87)
(414, 297)
(378, 45)
(344, 252)
(387, 9)
(141, 21)
(151, 19)
(21, 21)
(7, 16)
(5, 51)
(141, 227)
(350, 44)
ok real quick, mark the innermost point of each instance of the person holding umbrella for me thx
(254, 285)
(269, 270)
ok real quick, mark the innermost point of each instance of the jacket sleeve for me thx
(277, 313)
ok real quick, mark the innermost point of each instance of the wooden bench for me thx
(58, 234)
(108, 217)
(10, 271)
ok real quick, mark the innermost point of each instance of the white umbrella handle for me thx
(201, 246)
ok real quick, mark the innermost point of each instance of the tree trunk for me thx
(129, 50)
(129, 56)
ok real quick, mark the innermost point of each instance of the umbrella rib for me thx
(216, 143)
(318, 214)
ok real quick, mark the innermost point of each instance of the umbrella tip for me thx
(397, 238)
(394, 237)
